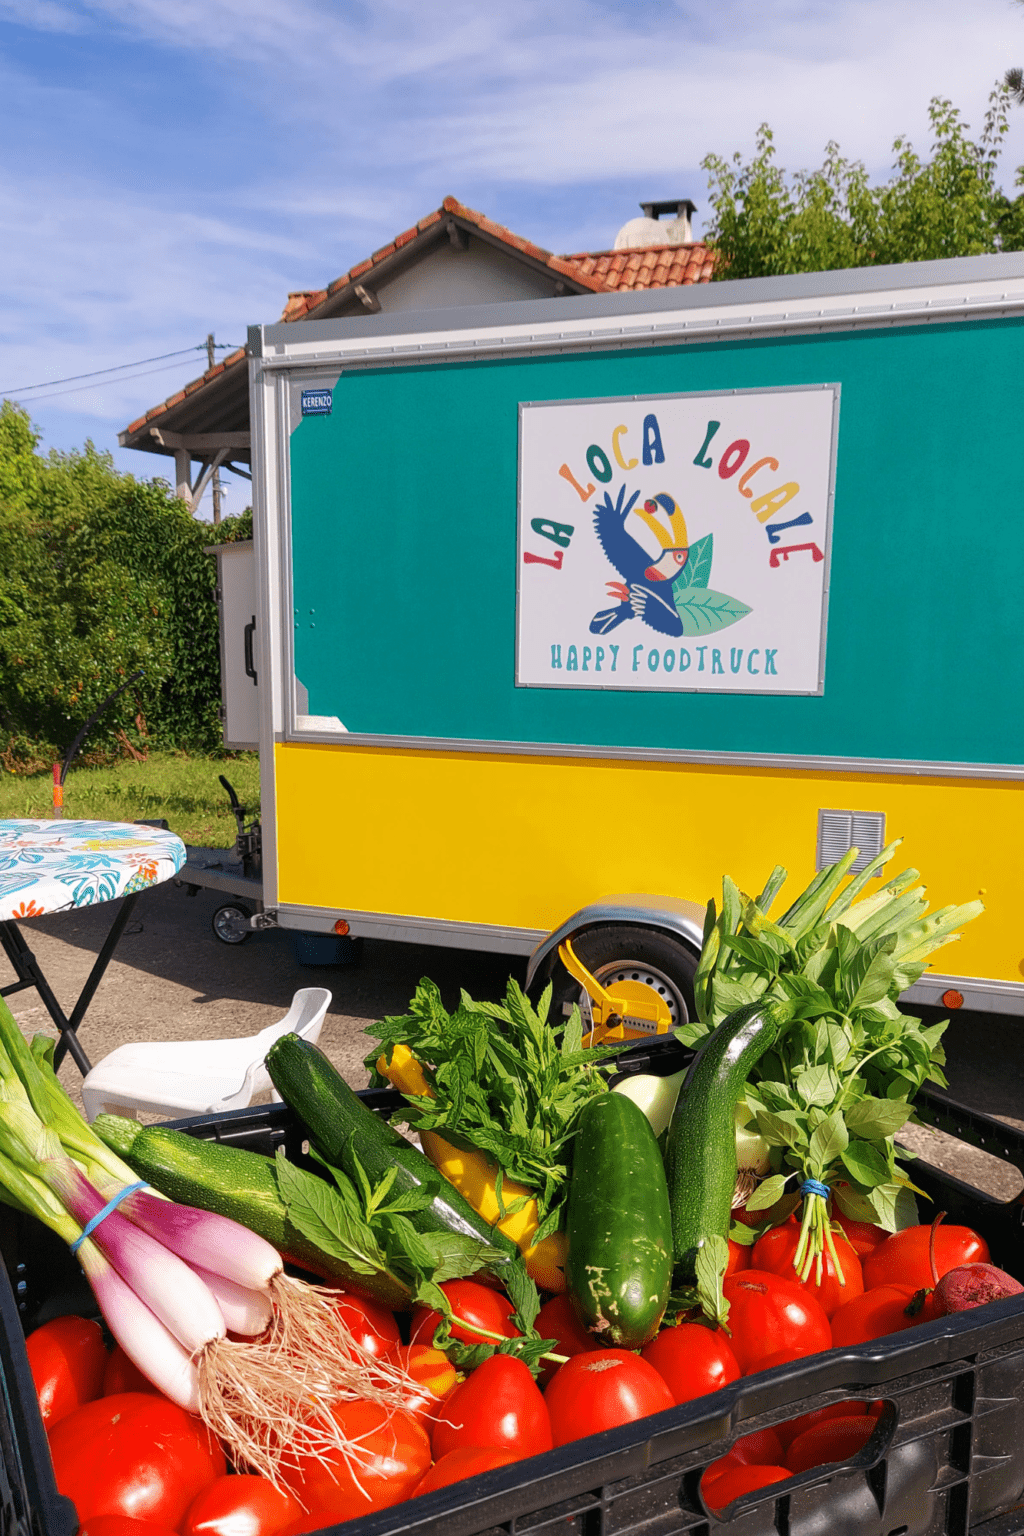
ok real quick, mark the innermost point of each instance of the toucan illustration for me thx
(646, 586)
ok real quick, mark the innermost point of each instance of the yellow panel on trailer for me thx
(449, 836)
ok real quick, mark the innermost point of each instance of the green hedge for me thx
(102, 574)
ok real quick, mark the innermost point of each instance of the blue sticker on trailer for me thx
(317, 402)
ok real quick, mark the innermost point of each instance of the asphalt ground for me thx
(172, 979)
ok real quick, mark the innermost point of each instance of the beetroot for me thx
(972, 1285)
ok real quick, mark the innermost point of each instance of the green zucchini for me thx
(700, 1155)
(239, 1184)
(346, 1133)
(620, 1225)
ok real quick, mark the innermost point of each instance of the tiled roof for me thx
(660, 266)
(652, 266)
(303, 302)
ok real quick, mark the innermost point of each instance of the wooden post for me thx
(183, 474)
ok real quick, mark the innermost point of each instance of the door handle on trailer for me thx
(250, 670)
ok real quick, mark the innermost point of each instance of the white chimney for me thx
(637, 233)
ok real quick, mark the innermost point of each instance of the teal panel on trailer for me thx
(404, 550)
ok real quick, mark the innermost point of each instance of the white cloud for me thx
(236, 149)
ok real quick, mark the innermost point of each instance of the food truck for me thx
(558, 611)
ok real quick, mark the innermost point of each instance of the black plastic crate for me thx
(946, 1460)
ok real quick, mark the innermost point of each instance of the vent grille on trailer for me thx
(839, 831)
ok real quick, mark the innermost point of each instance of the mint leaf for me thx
(321, 1215)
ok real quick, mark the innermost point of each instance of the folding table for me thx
(55, 866)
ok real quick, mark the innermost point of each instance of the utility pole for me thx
(215, 481)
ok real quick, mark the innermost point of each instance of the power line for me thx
(77, 389)
(119, 368)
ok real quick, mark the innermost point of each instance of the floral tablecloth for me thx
(52, 866)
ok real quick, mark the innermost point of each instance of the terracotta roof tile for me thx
(660, 266)
(406, 236)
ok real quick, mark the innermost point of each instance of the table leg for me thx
(30, 975)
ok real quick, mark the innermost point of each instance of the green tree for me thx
(765, 223)
(103, 574)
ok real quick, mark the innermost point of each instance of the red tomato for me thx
(873, 1315)
(466, 1461)
(769, 1316)
(788, 1432)
(737, 1479)
(863, 1236)
(121, 1525)
(559, 1320)
(136, 1454)
(833, 1440)
(67, 1358)
(776, 1249)
(761, 1449)
(692, 1359)
(393, 1454)
(903, 1258)
(123, 1375)
(372, 1326)
(499, 1404)
(434, 1374)
(474, 1303)
(602, 1389)
(739, 1258)
(245, 1505)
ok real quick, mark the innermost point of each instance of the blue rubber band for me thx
(111, 1205)
(812, 1187)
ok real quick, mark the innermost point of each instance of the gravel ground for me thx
(171, 979)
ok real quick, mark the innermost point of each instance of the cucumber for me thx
(620, 1223)
(345, 1132)
(700, 1155)
(239, 1184)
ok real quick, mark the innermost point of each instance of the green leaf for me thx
(866, 1164)
(875, 1119)
(867, 976)
(782, 1129)
(740, 1233)
(702, 611)
(710, 1263)
(767, 1193)
(854, 1203)
(828, 1141)
(319, 1213)
(818, 1086)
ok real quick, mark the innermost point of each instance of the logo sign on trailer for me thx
(676, 542)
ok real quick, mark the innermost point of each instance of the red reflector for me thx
(952, 999)
(341, 928)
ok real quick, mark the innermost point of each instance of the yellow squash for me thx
(475, 1177)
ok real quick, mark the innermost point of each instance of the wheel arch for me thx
(673, 915)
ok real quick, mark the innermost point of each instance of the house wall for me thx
(446, 277)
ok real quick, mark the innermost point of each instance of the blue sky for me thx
(174, 169)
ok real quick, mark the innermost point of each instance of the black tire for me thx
(230, 923)
(647, 955)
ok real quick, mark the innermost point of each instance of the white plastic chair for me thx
(194, 1077)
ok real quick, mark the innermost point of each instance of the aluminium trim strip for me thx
(811, 763)
(683, 330)
(445, 933)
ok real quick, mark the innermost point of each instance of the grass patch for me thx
(183, 789)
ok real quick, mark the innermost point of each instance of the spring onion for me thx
(171, 1281)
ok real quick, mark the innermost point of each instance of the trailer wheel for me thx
(646, 958)
(231, 923)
